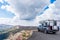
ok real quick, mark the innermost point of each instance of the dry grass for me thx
(23, 35)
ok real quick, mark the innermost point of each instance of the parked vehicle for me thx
(48, 26)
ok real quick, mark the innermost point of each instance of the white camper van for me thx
(48, 26)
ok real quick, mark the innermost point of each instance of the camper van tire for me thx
(38, 30)
(54, 32)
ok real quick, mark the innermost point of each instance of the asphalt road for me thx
(42, 36)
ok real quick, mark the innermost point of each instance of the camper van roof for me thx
(43, 21)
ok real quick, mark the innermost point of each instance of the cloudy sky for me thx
(28, 12)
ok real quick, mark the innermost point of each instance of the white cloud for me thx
(25, 23)
(27, 9)
(1, 1)
(4, 6)
(10, 21)
(7, 7)
(5, 20)
(52, 13)
(24, 9)
(47, 14)
(57, 4)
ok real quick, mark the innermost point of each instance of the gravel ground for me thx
(42, 36)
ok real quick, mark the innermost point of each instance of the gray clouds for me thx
(27, 9)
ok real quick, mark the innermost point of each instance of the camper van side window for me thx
(42, 24)
(55, 23)
(45, 24)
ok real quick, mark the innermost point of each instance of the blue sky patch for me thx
(6, 14)
(52, 1)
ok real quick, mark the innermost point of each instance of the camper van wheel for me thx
(38, 30)
(54, 32)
